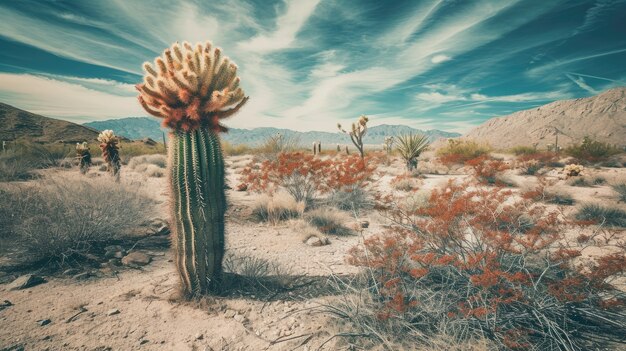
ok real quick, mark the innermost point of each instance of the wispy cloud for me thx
(580, 81)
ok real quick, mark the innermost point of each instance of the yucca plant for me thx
(83, 154)
(192, 89)
(410, 147)
(357, 133)
(110, 152)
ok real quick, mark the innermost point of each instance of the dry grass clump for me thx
(277, 207)
(57, 218)
(608, 216)
(236, 149)
(620, 189)
(307, 231)
(330, 221)
(20, 159)
(404, 183)
(352, 199)
(460, 151)
(150, 165)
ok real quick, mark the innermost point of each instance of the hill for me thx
(141, 127)
(601, 117)
(18, 124)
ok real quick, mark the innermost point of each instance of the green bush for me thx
(460, 151)
(591, 151)
(522, 150)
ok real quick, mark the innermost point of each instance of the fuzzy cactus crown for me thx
(191, 87)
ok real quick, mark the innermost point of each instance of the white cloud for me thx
(287, 27)
(439, 98)
(440, 58)
(56, 98)
(580, 82)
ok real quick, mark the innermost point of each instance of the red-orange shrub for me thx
(486, 169)
(497, 267)
(304, 176)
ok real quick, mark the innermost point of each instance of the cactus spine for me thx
(84, 157)
(192, 89)
(110, 152)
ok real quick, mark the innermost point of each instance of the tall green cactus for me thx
(192, 90)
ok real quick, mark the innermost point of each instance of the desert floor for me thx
(120, 308)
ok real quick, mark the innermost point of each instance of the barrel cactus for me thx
(192, 89)
(111, 152)
(83, 154)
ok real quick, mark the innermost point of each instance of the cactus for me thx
(338, 148)
(192, 90)
(357, 133)
(110, 152)
(314, 148)
(83, 154)
(319, 147)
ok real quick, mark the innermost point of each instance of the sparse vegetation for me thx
(150, 165)
(487, 170)
(21, 159)
(277, 144)
(329, 221)
(351, 199)
(591, 151)
(235, 150)
(512, 280)
(277, 207)
(523, 150)
(620, 189)
(608, 216)
(60, 219)
(461, 151)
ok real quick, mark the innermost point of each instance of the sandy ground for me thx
(130, 309)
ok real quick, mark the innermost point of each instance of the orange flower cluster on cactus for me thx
(191, 87)
(486, 259)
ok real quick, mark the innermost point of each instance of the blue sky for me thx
(309, 64)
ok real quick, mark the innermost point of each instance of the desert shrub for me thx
(579, 181)
(410, 147)
(541, 194)
(522, 150)
(460, 151)
(235, 150)
(404, 182)
(608, 216)
(305, 176)
(473, 265)
(139, 148)
(278, 144)
(598, 180)
(591, 151)
(276, 207)
(330, 221)
(620, 189)
(58, 218)
(21, 158)
(531, 163)
(150, 165)
(350, 199)
(486, 169)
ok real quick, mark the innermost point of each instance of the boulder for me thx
(136, 258)
(25, 281)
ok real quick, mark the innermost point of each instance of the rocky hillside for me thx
(20, 124)
(141, 127)
(601, 117)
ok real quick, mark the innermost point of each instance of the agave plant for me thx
(410, 147)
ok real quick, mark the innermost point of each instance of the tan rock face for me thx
(601, 117)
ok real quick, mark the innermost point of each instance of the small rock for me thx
(43, 322)
(365, 224)
(162, 230)
(229, 314)
(136, 259)
(317, 241)
(25, 281)
(113, 312)
(199, 336)
(82, 276)
(144, 341)
(239, 318)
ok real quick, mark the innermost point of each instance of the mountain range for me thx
(142, 127)
(601, 117)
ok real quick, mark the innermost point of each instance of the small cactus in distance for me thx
(83, 154)
(357, 133)
(314, 148)
(388, 147)
(192, 89)
(110, 152)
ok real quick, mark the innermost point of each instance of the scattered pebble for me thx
(113, 312)
(43, 322)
